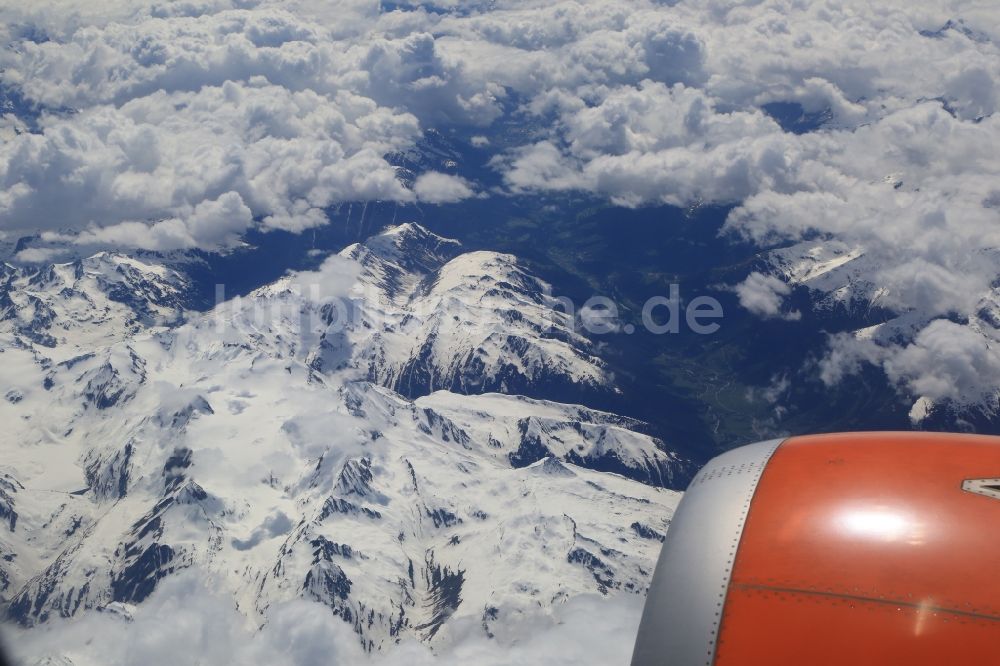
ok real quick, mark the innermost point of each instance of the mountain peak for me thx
(410, 246)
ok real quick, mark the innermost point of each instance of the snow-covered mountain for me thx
(77, 307)
(940, 353)
(471, 322)
(352, 436)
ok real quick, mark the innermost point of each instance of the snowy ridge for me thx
(941, 354)
(77, 306)
(472, 323)
(525, 431)
(252, 443)
(836, 272)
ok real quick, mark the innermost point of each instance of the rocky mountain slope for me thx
(352, 436)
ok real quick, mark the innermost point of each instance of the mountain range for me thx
(373, 435)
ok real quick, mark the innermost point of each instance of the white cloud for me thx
(194, 168)
(210, 224)
(947, 361)
(653, 143)
(763, 295)
(38, 255)
(434, 187)
(903, 170)
(185, 622)
(846, 355)
(190, 128)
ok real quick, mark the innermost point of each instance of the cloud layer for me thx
(184, 622)
(168, 125)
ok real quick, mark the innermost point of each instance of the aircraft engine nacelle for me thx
(849, 549)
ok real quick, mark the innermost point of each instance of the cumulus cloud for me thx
(763, 295)
(910, 193)
(208, 224)
(434, 187)
(901, 169)
(185, 622)
(946, 362)
(150, 113)
(183, 124)
(193, 169)
(189, 129)
(844, 357)
(38, 255)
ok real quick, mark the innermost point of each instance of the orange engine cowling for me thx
(859, 549)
